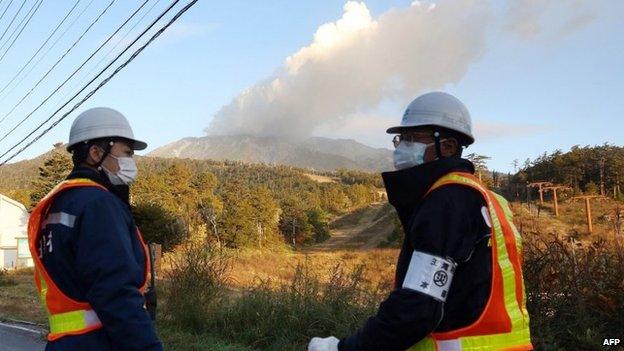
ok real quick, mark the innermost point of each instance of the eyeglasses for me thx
(412, 137)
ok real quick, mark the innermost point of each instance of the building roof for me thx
(12, 202)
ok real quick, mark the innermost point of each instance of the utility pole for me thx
(554, 189)
(602, 188)
(588, 213)
(294, 225)
(540, 188)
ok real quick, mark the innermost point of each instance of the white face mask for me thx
(127, 173)
(409, 154)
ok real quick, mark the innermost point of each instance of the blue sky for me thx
(539, 80)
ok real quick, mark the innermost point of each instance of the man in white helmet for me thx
(458, 282)
(91, 262)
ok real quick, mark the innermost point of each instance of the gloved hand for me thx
(323, 344)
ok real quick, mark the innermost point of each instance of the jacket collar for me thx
(121, 191)
(406, 188)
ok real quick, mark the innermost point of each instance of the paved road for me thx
(14, 339)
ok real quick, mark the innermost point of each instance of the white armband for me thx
(430, 275)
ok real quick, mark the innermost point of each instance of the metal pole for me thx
(556, 203)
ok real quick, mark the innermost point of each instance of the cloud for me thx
(529, 18)
(488, 130)
(358, 62)
(183, 30)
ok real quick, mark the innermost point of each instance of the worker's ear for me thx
(95, 155)
(449, 147)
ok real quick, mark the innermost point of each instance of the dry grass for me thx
(320, 178)
(19, 300)
(253, 265)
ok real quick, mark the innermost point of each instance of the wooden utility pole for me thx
(540, 188)
(554, 188)
(602, 187)
(588, 213)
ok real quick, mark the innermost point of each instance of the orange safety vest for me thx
(504, 323)
(65, 315)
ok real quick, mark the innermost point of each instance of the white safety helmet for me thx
(437, 109)
(102, 122)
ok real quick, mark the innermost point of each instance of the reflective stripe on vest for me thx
(65, 315)
(504, 323)
(68, 322)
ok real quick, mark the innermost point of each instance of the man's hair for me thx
(80, 151)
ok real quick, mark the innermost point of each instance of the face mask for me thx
(409, 154)
(127, 171)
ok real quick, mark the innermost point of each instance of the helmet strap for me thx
(107, 151)
(438, 147)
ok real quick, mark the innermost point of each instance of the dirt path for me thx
(363, 229)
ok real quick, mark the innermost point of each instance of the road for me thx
(363, 229)
(20, 338)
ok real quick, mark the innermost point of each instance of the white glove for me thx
(323, 344)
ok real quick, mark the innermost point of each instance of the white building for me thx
(14, 252)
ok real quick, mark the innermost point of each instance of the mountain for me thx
(318, 153)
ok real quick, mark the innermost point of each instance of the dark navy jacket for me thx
(94, 255)
(447, 223)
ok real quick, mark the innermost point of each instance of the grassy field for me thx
(18, 298)
(260, 300)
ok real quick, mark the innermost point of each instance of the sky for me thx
(536, 75)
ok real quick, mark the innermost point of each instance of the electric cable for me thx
(58, 61)
(40, 47)
(103, 82)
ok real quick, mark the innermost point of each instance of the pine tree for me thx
(54, 170)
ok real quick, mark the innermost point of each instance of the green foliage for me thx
(320, 225)
(159, 225)
(351, 177)
(236, 204)
(294, 223)
(54, 170)
(578, 168)
(591, 188)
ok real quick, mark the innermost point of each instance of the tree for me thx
(54, 170)
(293, 223)
(159, 225)
(320, 226)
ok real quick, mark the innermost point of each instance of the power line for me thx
(13, 20)
(74, 73)
(58, 61)
(103, 82)
(23, 27)
(47, 51)
(107, 55)
(5, 10)
(41, 47)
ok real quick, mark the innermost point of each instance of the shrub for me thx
(574, 292)
(195, 283)
(284, 318)
(5, 278)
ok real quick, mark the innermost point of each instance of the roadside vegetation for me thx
(248, 263)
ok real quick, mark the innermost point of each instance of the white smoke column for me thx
(355, 63)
